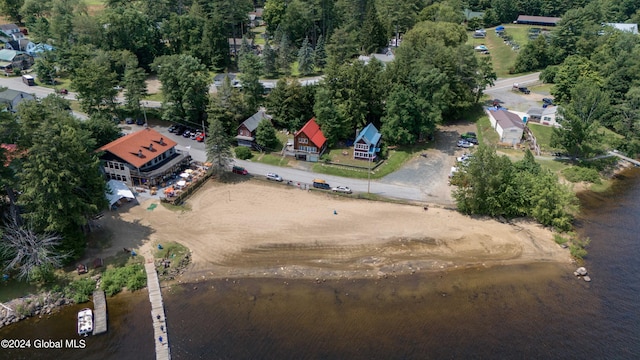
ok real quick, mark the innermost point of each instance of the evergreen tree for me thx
(269, 60)
(372, 34)
(218, 146)
(266, 136)
(252, 89)
(319, 54)
(284, 55)
(305, 58)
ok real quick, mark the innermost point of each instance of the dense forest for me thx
(50, 195)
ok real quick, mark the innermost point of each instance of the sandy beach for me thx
(255, 228)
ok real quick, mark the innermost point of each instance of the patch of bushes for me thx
(559, 239)
(243, 153)
(133, 277)
(80, 290)
(576, 174)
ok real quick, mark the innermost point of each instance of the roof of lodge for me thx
(140, 147)
(313, 132)
(538, 19)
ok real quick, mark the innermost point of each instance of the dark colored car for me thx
(129, 120)
(524, 90)
(173, 128)
(140, 121)
(547, 101)
(469, 135)
(239, 170)
(321, 184)
(472, 140)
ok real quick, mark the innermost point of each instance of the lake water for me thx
(525, 311)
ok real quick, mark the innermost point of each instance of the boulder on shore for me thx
(581, 271)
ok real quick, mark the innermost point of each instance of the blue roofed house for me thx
(247, 130)
(367, 143)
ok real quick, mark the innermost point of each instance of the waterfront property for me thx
(367, 143)
(247, 130)
(100, 312)
(309, 143)
(160, 332)
(143, 158)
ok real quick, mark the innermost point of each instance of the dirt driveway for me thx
(430, 169)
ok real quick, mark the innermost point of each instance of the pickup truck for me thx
(521, 89)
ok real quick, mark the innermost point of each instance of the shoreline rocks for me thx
(31, 305)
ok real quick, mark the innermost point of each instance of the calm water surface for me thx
(527, 311)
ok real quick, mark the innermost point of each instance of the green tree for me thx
(12, 8)
(94, 83)
(269, 60)
(218, 147)
(45, 67)
(291, 104)
(61, 189)
(185, 87)
(102, 128)
(285, 55)
(266, 136)
(579, 134)
(319, 54)
(273, 13)
(135, 85)
(373, 35)
(252, 89)
(305, 58)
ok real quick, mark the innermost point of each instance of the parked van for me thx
(321, 184)
(28, 79)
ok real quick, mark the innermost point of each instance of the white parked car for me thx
(341, 189)
(274, 177)
(464, 144)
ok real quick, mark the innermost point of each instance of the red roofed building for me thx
(309, 143)
(142, 158)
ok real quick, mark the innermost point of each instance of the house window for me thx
(303, 140)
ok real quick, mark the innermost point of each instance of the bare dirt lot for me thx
(258, 229)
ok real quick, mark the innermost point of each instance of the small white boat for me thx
(85, 322)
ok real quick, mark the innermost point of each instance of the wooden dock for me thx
(160, 332)
(99, 312)
(634, 162)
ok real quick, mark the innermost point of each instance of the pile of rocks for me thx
(581, 271)
(31, 305)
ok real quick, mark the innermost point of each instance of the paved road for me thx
(16, 83)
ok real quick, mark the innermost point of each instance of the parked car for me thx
(200, 137)
(140, 121)
(62, 91)
(239, 170)
(547, 101)
(468, 135)
(321, 184)
(464, 158)
(472, 140)
(524, 90)
(129, 120)
(187, 132)
(342, 189)
(274, 177)
(194, 135)
(464, 144)
(173, 128)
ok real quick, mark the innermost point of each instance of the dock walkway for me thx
(160, 333)
(99, 312)
(634, 162)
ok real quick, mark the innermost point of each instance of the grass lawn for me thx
(13, 289)
(154, 97)
(543, 135)
(555, 166)
(394, 161)
(486, 133)
(259, 31)
(271, 159)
